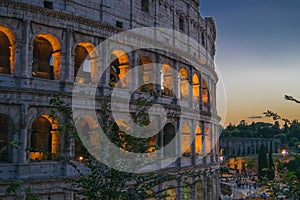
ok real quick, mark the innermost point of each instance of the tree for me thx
(262, 162)
(98, 181)
(288, 181)
(271, 171)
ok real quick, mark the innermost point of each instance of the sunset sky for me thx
(258, 54)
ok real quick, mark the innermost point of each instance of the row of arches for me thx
(47, 64)
(44, 139)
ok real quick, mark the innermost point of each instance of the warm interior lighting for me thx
(36, 155)
(167, 79)
(185, 139)
(119, 68)
(198, 140)
(183, 83)
(7, 49)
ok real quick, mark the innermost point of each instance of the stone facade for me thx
(237, 147)
(42, 46)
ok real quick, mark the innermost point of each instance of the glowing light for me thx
(222, 158)
(80, 158)
(284, 152)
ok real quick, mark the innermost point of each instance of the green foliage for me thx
(271, 171)
(262, 162)
(97, 181)
(12, 188)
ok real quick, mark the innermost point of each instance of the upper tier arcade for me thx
(183, 15)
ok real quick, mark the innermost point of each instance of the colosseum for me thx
(47, 48)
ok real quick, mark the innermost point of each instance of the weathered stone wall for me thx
(23, 97)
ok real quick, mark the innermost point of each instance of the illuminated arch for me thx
(196, 88)
(120, 65)
(149, 192)
(198, 140)
(185, 139)
(167, 79)
(7, 51)
(183, 82)
(207, 140)
(85, 63)
(147, 73)
(6, 132)
(46, 57)
(205, 93)
(44, 141)
(171, 193)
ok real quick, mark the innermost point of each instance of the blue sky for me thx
(258, 54)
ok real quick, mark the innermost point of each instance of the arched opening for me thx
(170, 193)
(167, 79)
(209, 187)
(150, 192)
(205, 93)
(85, 65)
(198, 140)
(169, 134)
(119, 66)
(147, 72)
(187, 192)
(5, 138)
(207, 141)
(45, 139)
(185, 140)
(87, 135)
(196, 88)
(130, 143)
(183, 83)
(7, 51)
(46, 57)
(200, 190)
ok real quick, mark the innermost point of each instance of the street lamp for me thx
(284, 152)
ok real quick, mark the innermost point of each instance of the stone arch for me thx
(186, 139)
(119, 69)
(200, 190)
(6, 134)
(88, 135)
(85, 63)
(171, 193)
(205, 93)
(46, 57)
(7, 50)
(198, 140)
(44, 140)
(150, 192)
(196, 87)
(209, 187)
(183, 82)
(169, 133)
(167, 82)
(187, 192)
(146, 70)
(207, 140)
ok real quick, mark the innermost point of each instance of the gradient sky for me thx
(258, 55)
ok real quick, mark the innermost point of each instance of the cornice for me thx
(56, 14)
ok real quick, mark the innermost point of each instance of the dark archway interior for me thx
(42, 65)
(4, 54)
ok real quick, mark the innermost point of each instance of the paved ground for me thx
(239, 192)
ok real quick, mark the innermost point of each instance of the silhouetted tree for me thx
(262, 162)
